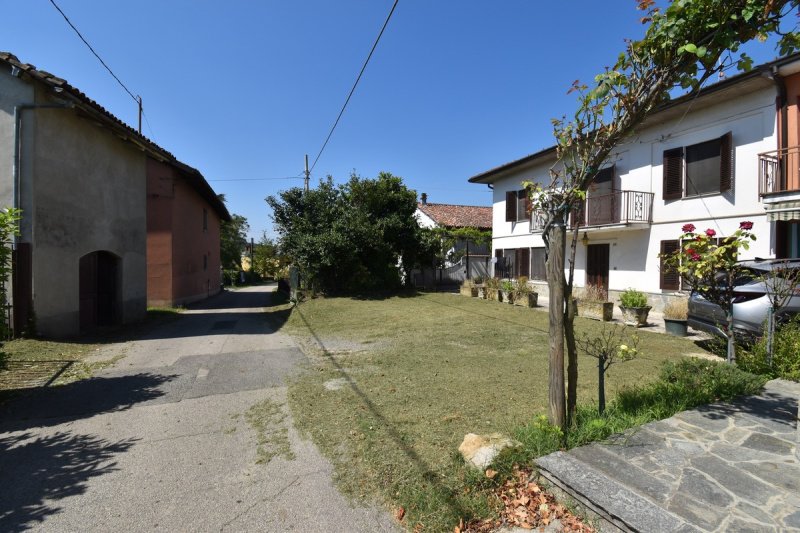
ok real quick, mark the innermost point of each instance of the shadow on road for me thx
(82, 399)
(36, 473)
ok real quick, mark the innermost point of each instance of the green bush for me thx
(633, 298)
(785, 354)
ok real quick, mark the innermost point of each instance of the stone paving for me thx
(721, 467)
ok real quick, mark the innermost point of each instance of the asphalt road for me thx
(163, 441)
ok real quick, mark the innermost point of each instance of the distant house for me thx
(472, 258)
(80, 176)
(183, 232)
(727, 154)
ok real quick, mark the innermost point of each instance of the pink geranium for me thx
(710, 232)
(688, 228)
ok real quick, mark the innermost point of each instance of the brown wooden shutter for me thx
(673, 174)
(511, 206)
(522, 264)
(726, 162)
(670, 278)
(498, 265)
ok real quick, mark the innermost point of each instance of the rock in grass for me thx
(480, 450)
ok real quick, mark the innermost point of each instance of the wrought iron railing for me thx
(779, 171)
(619, 207)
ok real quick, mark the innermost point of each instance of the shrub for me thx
(492, 283)
(521, 287)
(677, 309)
(785, 353)
(477, 280)
(633, 298)
(591, 293)
(507, 285)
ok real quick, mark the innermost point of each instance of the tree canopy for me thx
(350, 237)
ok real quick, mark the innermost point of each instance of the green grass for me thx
(419, 372)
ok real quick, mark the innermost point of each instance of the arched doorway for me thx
(99, 290)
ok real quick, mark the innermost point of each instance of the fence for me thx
(453, 275)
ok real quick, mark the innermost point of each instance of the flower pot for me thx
(482, 293)
(469, 291)
(507, 297)
(635, 316)
(527, 300)
(598, 310)
(492, 294)
(676, 326)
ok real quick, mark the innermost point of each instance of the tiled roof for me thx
(95, 111)
(458, 216)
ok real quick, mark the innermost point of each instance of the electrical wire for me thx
(363, 68)
(135, 99)
(261, 179)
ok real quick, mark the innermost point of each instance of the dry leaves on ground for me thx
(526, 505)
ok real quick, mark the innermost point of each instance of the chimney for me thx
(424, 198)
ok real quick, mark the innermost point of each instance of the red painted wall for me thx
(183, 263)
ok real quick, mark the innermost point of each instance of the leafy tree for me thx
(349, 237)
(232, 240)
(9, 227)
(685, 44)
(267, 261)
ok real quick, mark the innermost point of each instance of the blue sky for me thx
(244, 89)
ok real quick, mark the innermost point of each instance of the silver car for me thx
(750, 300)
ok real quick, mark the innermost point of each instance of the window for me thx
(205, 219)
(704, 168)
(518, 206)
(538, 269)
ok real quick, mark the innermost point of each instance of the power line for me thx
(135, 99)
(363, 68)
(260, 179)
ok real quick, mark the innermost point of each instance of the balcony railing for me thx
(617, 208)
(779, 171)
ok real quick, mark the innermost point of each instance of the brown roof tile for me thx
(458, 216)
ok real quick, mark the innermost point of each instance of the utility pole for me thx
(139, 100)
(307, 173)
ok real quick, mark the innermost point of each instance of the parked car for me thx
(750, 301)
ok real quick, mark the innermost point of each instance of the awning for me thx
(783, 211)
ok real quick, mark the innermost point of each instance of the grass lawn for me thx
(396, 383)
(27, 362)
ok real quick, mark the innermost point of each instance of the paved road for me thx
(165, 439)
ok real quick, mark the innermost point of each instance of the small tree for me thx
(709, 266)
(612, 345)
(781, 283)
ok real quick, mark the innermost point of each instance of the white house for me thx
(713, 159)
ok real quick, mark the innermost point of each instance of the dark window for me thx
(509, 257)
(670, 278)
(518, 206)
(538, 269)
(704, 168)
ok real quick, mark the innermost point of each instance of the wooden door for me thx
(597, 266)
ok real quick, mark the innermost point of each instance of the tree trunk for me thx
(601, 385)
(572, 360)
(731, 344)
(555, 282)
(770, 333)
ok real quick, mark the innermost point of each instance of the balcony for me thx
(779, 171)
(617, 209)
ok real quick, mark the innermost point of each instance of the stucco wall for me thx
(192, 278)
(88, 195)
(633, 257)
(160, 195)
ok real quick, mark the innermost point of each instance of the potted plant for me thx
(524, 294)
(592, 303)
(507, 291)
(490, 288)
(634, 307)
(477, 283)
(468, 288)
(676, 313)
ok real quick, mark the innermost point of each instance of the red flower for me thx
(746, 224)
(688, 228)
(710, 232)
(695, 257)
(690, 251)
